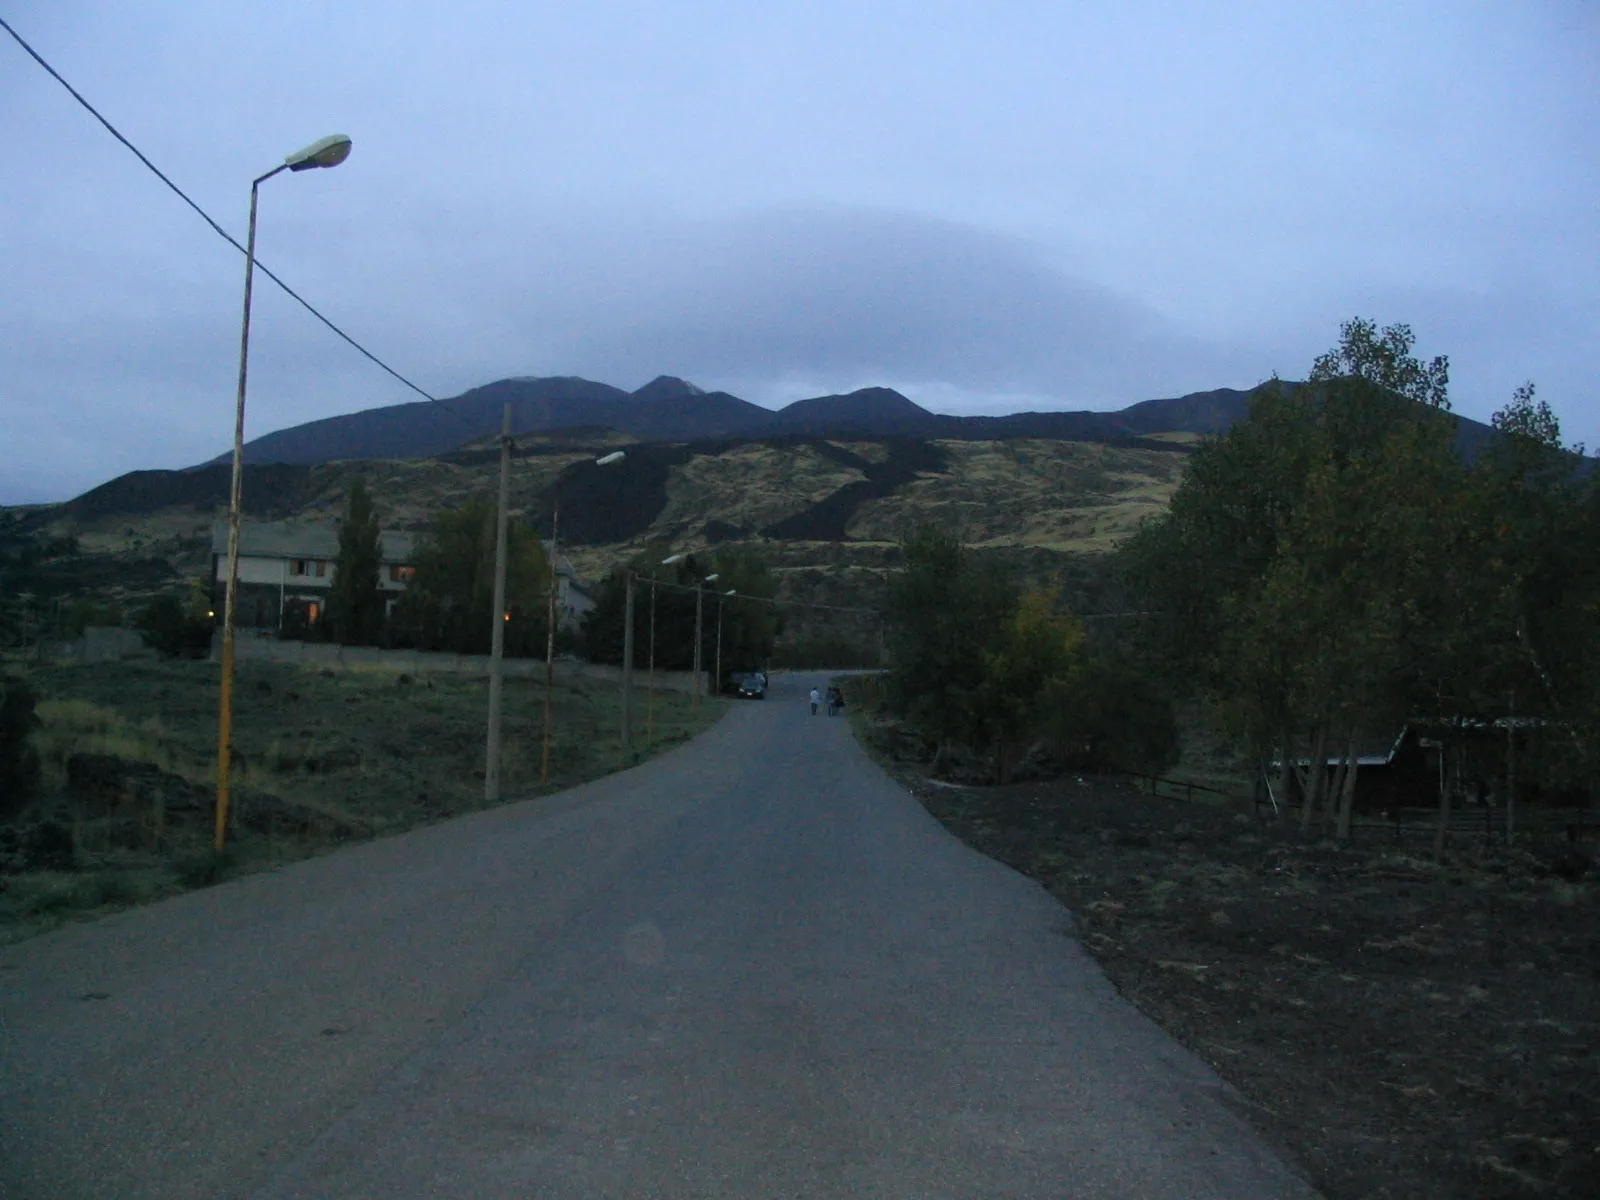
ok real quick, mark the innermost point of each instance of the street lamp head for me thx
(731, 592)
(667, 562)
(711, 578)
(324, 152)
(614, 456)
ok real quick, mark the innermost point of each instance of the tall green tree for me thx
(1038, 652)
(448, 605)
(356, 601)
(1537, 525)
(1298, 579)
(750, 626)
(946, 616)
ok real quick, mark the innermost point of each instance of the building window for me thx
(297, 567)
(322, 569)
(400, 574)
(313, 611)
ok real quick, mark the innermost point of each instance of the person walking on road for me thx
(816, 699)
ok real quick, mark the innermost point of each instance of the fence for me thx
(1184, 789)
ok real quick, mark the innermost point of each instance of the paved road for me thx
(751, 968)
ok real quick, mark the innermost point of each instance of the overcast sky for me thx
(989, 206)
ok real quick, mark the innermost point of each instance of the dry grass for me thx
(69, 727)
(1065, 496)
(321, 758)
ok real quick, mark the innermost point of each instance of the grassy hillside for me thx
(826, 512)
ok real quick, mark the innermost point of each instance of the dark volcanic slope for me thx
(825, 520)
(671, 410)
(424, 429)
(269, 490)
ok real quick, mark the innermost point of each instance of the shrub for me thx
(19, 759)
(203, 867)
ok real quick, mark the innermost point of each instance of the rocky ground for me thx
(1401, 1028)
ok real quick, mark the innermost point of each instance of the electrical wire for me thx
(754, 599)
(206, 217)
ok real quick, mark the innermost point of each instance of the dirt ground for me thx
(1401, 1029)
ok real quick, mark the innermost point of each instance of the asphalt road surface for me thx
(753, 967)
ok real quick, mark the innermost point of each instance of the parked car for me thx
(752, 686)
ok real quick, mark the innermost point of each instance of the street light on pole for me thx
(699, 604)
(729, 592)
(650, 704)
(325, 152)
(604, 460)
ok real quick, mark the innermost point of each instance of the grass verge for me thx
(322, 758)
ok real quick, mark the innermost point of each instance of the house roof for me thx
(287, 539)
(1372, 750)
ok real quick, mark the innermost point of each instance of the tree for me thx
(749, 626)
(1384, 357)
(19, 760)
(178, 628)
(1300, 575)
(356, 601)
(449, 602)
(1537, 520)
(1530, 420)
(1038, 650)
(945, 617)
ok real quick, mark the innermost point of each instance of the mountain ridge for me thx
(669, 409)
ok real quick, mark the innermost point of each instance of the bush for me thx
(48, 846)
(19, 759)
(174, 630)
(203, 867)
(1113, 717)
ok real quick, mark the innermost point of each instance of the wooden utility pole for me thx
(497, 644)
(1511, 766)
(650, 697)
(627, 667)
(550, 644)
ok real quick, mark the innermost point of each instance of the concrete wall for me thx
(248, 648)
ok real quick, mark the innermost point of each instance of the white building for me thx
(281, 563)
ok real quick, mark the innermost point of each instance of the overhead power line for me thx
(205, 216)
(689, 587)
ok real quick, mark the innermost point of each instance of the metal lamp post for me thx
(699, 606)
(604, 460)
(650, 703)
(325, 152)
(718, 677)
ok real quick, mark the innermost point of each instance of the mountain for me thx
(424, 428)
(882, 412)
(668, 409)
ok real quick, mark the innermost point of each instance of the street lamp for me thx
(325, 152)
(605, 460)
(650, 703)
(729, 592)
(699, 600)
